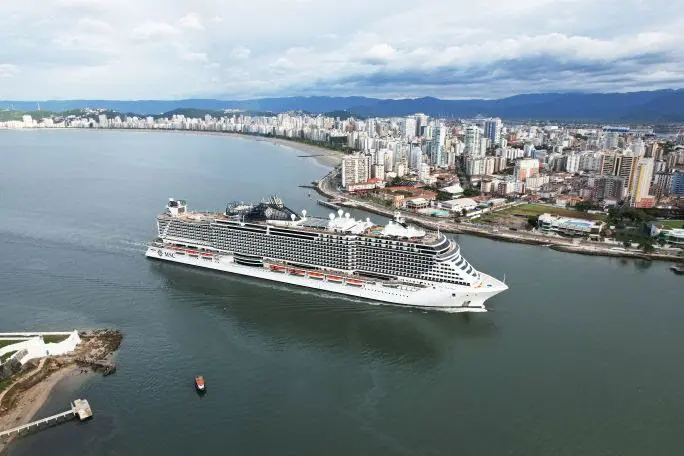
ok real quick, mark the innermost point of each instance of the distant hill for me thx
(659, 106)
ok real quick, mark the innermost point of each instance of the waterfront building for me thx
(573, 227)
(673, 236)
(356, 168)
(457, 205)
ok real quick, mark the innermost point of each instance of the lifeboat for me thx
(297, 272)
(192, 253)
(276, 268)
(207, 255)
(316, 275)
(354, 282)
(335, 279)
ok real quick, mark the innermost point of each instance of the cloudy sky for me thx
(165, 49)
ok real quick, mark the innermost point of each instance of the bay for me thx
(581, 356)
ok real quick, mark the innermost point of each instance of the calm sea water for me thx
(581, 356)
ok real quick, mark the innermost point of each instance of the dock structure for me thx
(80, 409)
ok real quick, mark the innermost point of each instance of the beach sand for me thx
(326, 157)
(31, 400)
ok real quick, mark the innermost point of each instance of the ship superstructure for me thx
(395, 263)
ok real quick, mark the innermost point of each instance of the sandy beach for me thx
(324, 156)
(20, 402)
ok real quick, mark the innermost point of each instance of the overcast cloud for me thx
(164, 49)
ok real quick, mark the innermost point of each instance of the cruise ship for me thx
(396, 263)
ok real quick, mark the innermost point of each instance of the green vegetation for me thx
(535, 210)
(5, 383)
(4, 343)
(7, 356)
(441, 196)
(54, 339)
(647, 246)
(672, 223)
(584, 206)
(18, 115)
(468, 192)
(624, 215)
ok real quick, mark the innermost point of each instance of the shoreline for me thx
(332, 159)
(322, 155)
(21, 401)
(33, 399)
(557, 244)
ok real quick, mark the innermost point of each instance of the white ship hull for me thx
(449, 297)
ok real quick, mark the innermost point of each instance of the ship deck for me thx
(311, 225)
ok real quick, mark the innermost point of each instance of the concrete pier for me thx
(80, 409)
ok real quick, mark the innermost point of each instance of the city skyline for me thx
(65, 49)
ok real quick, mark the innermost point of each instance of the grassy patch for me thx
(5, 383)
(527, 210)
(7, 356)
(4, 343)
(671, 223)
(54, 339)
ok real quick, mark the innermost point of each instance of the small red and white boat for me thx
(207, 255)
(316, 275)
(354, 282)
(199, 384)
(335, 279)
(297, 272)
(276, 268)
(192, 253)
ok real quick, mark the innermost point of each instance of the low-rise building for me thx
(566, 226)
(370, 184)
(457, 205)
(673, 236)
(415, 204)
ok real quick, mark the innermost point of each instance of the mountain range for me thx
(658, 106)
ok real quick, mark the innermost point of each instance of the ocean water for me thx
(581, 356)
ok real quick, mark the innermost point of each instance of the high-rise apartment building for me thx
(355, 168)
(525, 168)
(472, 139)
(437, 156)
(678, 182)
(608, 188)
(492, 130)
(410, 127)
(640, 185)
(415, 158)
